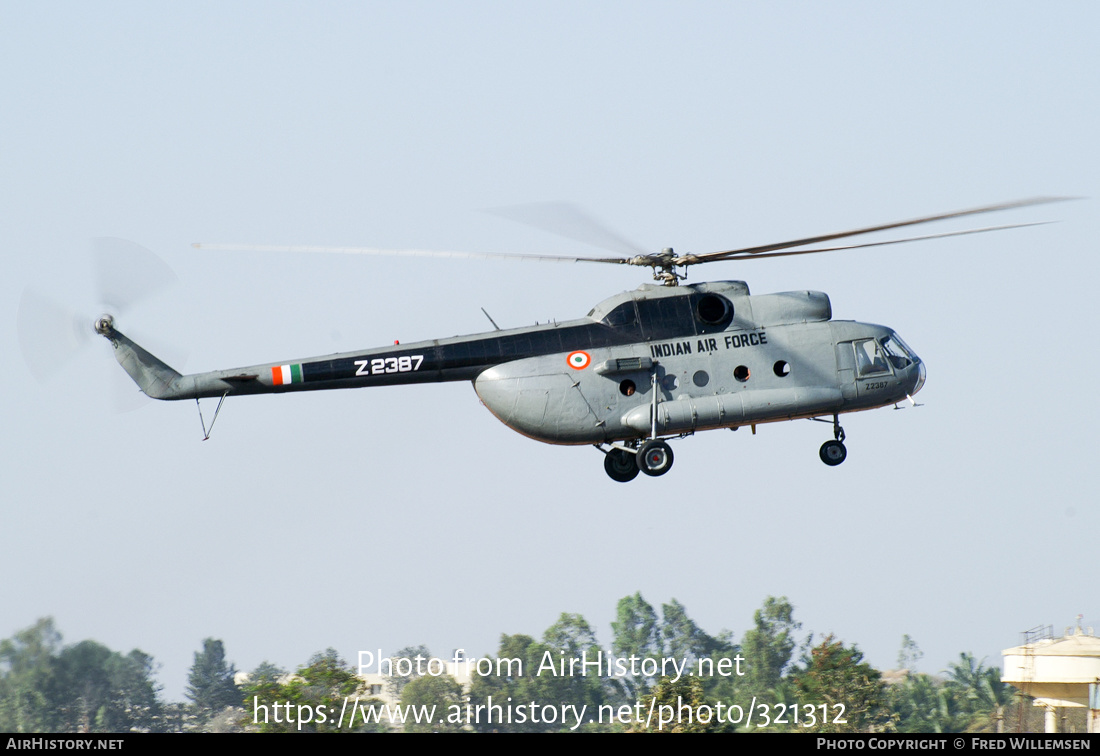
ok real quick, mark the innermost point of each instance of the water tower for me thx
(1057, 672)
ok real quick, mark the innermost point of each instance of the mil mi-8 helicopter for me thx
(663, 361)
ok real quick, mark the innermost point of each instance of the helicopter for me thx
(663, 361)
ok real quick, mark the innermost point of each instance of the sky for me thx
(382, 518)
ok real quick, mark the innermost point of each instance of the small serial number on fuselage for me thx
(408, 363)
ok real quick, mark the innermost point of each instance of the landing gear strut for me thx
(833, 452)
(654, 457)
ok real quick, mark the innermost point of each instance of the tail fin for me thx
(151, 375)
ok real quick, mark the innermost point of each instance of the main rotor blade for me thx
(757, 251)
(569, 221)
(762, 255)
(402, 252)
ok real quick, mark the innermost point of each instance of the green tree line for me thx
(797, 683)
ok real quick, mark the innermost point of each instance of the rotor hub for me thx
(104, 324)
(664, 266)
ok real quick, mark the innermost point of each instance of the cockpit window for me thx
(899, 354)
(877, 356)
(870, 359)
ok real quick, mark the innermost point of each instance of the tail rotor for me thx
(53, 335)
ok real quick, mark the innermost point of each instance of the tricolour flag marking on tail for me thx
(282, 375)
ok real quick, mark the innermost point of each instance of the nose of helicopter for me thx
(922, 375)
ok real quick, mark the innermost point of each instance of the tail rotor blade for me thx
(50, 334)
(127, 273)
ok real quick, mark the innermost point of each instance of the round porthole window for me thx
(700, 378)
(741, 373)
(782, 368)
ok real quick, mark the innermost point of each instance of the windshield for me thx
(898, 352)
(877, 356)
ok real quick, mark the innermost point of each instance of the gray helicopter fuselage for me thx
(714, 355)
(772, 357)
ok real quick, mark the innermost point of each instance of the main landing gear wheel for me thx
(833, 453)
(654, 458)
(620, 465)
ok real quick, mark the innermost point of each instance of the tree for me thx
(396, 683)
(137, 695)
(434, 694)
(635, 629)
(211, 686)
(635, 634)
(971, 699)
(980, 691)
(27, 679)
(685, 641)
(263, 686)
(100, 690)
(848, 693)
(263, 683)
(310, 701)
(677, 706)
(519, 658)
(87, 687)
(571, 637)
(909, 653)
(769, 645)
(922, 703)
(681, 637)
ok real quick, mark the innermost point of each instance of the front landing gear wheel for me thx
(833, 453)
(654, 458)
(620, 465)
